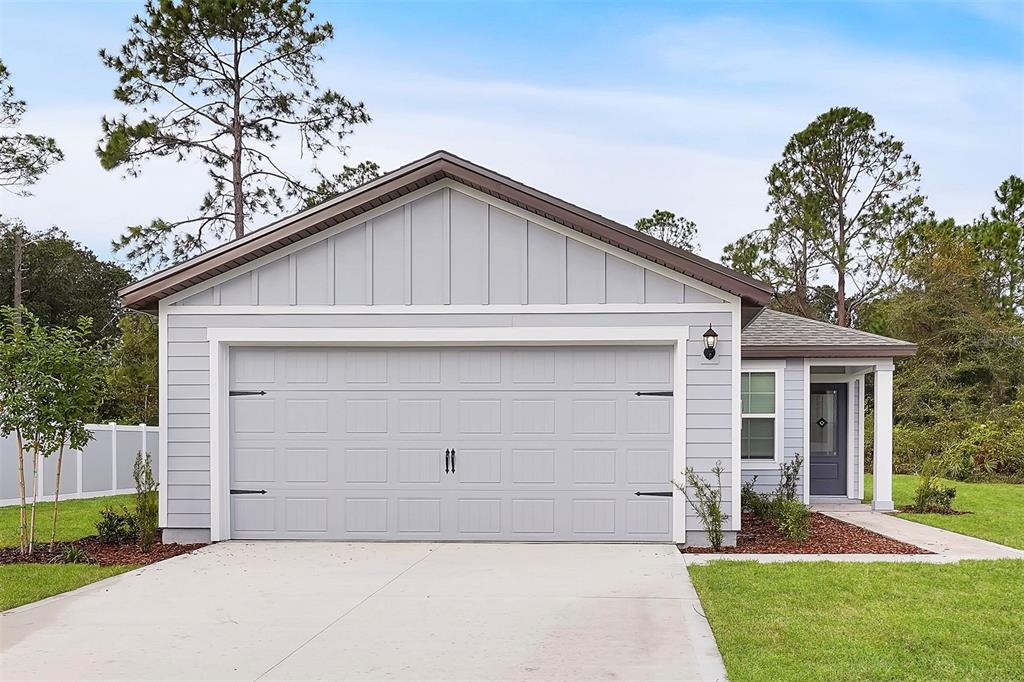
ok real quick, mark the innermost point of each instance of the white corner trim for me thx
(221, 340)
(805, 416)
(736, 340)
(679, 503)
(162, 407)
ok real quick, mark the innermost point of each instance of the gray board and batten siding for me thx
(444, 248)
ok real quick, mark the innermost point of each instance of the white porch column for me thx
(882, 498)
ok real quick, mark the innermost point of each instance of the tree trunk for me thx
(19, 247)
(841, 316)
(236, 156)
(22, 528)
(56, 498)
(35, 497)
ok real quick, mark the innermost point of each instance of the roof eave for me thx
(829, 351)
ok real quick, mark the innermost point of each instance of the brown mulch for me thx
(828, 536)
(98, 553)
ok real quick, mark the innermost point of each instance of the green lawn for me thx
(75, 519)
(25, 583)
(998, 509)
(835, 621)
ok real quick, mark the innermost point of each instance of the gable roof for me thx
(147, 292)
(774, 334)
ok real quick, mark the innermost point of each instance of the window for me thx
(759, 403)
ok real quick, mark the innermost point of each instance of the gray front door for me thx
(451, 443)
(828, 439)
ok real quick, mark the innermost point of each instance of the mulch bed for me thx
(98, 553)
(828, 536)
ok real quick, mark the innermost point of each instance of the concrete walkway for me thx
(368, 611)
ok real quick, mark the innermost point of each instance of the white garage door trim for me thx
(221, 339)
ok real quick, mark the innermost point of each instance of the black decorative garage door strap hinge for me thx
(667, 493)
(663, 394)
(231, 393)
(242, 491)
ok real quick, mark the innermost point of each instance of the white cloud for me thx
(697, 138)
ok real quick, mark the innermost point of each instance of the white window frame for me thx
(778, 367)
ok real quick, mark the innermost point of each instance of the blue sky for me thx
(620, 107)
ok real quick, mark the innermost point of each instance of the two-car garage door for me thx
(531, 443)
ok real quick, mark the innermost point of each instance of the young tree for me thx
(24, 157)
(852, 190)
(221, 82)
(25, 391)
(668, 227)
(76, 366)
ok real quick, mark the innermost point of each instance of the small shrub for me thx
(749, 497)
(932, 496)
(72, 555)
(146, 500)
(792, 518)
(117, 525)
(789, 477)
(707, 502)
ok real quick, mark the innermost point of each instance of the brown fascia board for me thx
(827, 351)
(145, 294)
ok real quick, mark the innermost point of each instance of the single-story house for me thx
(447, 354)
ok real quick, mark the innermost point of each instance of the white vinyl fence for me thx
(103, 467)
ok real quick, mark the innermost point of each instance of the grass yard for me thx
(25, 583)
(998, 509)
(835, 621)
(75, 519)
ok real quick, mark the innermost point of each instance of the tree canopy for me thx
(24, 157)
(221, 82)
(668, 227)
(841, 196)
(62, 280)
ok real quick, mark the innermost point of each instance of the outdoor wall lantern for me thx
(710, 341)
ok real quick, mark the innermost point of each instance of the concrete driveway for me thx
(310, 610)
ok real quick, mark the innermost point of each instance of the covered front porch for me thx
(820, 375)
(835, 429)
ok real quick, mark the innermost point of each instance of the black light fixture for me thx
(710, 341)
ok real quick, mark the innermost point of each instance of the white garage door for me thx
(455, 443)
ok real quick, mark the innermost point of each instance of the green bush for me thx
(789, 476)
(72, 555)
(989, 450)
(146, 501)
(117, 525)
(792, 518)
(706, 501)
(932, 496)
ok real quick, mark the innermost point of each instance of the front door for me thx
(828, 439)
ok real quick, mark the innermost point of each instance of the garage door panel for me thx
(549, 444)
